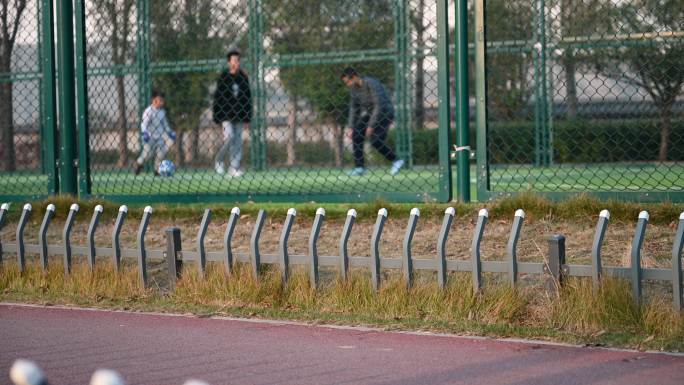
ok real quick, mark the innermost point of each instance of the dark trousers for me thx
(377, 139)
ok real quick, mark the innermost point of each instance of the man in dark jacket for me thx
(233, 110)
(370, 115)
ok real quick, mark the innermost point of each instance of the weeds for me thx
(576, 314)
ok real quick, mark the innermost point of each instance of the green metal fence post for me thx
(143, 53)
(401, 80)
(541, 108)
(480, 101)
(262, 87)
(462, 103)
(47, 90)
(443, 79)
(257, 149)
(67, 102)
(41, 102)
(82, 103)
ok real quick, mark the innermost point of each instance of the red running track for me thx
(151, 349)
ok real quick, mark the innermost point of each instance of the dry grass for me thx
(576, 314)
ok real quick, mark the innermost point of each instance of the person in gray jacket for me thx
(370, 114)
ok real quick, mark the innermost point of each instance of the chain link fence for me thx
(585, 95)
(26, 104)
(277, 127)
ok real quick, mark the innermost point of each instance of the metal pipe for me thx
(95, 220)
(344, 239)
(375, 248)
(42, 235)
(66, 237)
(228, 238)
(449, 214)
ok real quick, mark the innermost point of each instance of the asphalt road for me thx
(158, 349)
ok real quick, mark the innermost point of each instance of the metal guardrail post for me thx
(375, 248)
(449, 214)
(201, 234)
(637, 242)
(282, 245)
(408, 238)
(42, 235)
(512, 247)
(596, 268)
(66, 237)
(482, 217)
(142, 253)
(313, 245)
(3, 215)
(173, 246)
(21, 250)
(95, 220)
(228, 238)
(116, 232)
(344, 239)
(556, 262)
(677, 264)
(254, 243)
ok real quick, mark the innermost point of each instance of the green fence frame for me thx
(258, 62)
(543, 119)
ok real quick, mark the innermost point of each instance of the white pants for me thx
(156, 147)
(232, 142)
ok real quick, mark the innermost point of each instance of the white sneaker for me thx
(235, 173)
(396, 166)
(218, 166)
(357, 171)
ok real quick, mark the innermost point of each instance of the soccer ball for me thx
(167, 168)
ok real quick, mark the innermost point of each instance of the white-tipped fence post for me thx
(512, 247)
(344, 239)
(449, 214)
(282, 245)
(482, 217)
(116, 232)
(42, 235)
(408, 239)
(142, 253)
(228, 238)
(173, 263)
(201, 234)
(21, 226)
(3, 215)
(375, 248)
(94, 221)
(66, 237)
(313, 246)
(254, 243)
(637, 242)
(677, 264)
(596, 268)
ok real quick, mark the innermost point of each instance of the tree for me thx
(418, 24)
(184, 30)
(579, 19)
(655, 67)
(10, 20)
(508, 85)
(327, 26)
(114, 18)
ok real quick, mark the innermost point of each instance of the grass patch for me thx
(576, 315)
(581, 207)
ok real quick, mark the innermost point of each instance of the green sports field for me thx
(321, 181)
(580, 178)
